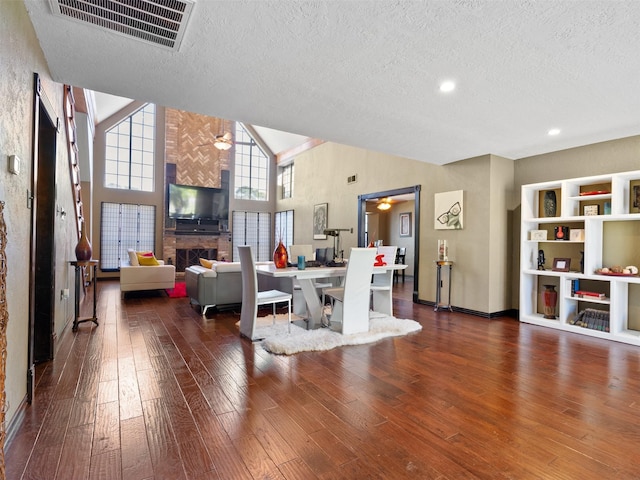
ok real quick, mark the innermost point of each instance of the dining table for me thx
(382, 277)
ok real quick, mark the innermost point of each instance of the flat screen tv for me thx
(198, 203)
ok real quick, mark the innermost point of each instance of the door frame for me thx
(362, 210)
(46, 122)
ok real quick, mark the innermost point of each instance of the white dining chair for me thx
(383, 282)
(350, 302)
(252, 298)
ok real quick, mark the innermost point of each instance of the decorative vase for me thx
(550, 299)
(443, 251)
(83, 248)
(280, 256)
(550, 203)
(561, 232)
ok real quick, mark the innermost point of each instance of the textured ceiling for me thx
(366, 73)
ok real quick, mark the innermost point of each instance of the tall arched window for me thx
(252, 168)
(130, 151)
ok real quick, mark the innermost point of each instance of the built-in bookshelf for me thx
(601, 216)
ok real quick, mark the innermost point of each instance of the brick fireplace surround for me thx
(185, 250)
(188, 162)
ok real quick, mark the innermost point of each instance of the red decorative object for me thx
(550, 299)
(83, 248)
(594, 192)
(280, 256)
(379, 261)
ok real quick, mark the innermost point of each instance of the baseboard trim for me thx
(15, 423)
(504, 313)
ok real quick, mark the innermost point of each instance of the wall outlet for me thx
(64, 294)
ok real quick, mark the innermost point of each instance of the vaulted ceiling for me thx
(367, 73)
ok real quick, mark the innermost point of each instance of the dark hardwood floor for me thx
(157, 392)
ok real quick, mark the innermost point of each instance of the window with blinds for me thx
(125, 226)
(284, 227)
(254, 229)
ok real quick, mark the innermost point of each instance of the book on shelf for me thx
(588, 294)
(575, 286)
(593, 319)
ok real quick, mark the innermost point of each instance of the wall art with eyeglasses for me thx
(448, 210)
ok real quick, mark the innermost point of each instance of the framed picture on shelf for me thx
(636, 197)
(405, 224)
(320, 221)
(576, 234)
(561, 264)
(590, 210)
(538, 235)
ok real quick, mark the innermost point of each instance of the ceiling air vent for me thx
(160, 22)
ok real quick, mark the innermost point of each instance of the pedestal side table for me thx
(439, 304)
(78, 265)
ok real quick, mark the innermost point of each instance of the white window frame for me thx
(251, 176)
(130, 151)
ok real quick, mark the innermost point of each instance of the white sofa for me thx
(134, 277)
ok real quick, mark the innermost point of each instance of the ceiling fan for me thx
(221, 142)
(384, 204)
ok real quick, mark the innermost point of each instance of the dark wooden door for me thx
(43, 235)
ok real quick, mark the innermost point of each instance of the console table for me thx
(79, 267)
(439, 304)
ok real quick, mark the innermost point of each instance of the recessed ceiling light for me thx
(554, 131)
(447, 86)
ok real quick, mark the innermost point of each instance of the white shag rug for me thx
(276, 339)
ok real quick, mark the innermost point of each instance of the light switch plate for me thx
(14, 164)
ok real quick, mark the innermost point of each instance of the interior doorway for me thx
(42, 259)
(363, 240)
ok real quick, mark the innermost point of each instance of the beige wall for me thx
(20, 57)
(469, 247)
(502, 203)
(600, 158)
(321, 176)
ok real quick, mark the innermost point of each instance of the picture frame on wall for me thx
(320, 214)
(405, 224)
(448, 210)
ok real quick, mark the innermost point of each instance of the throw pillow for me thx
(147, 259)
(133, 258)
(207, 263)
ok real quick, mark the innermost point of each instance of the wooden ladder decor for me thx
(72, 147)
(74, 168)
